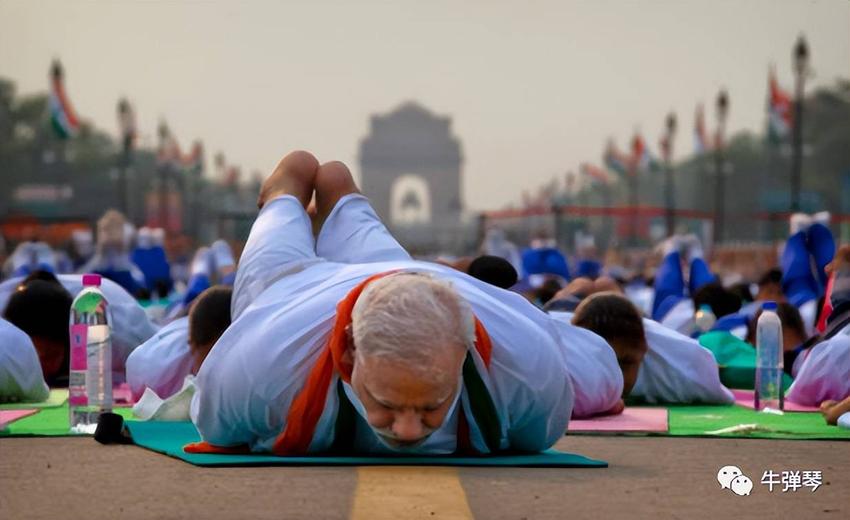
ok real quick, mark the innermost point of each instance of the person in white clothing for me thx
(658, 365)
(343, 343)
(678, 370)
(43, 311)
(21, 379)
(178, 349)
(824, 374)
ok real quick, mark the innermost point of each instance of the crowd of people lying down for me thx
(327, 336)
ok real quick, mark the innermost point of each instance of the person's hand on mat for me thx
(617, 409)
(826, 405)
(832, 410)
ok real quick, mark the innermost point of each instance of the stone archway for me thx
(410, 143)
(410, 201)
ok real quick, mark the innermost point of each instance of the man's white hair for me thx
(412, 318)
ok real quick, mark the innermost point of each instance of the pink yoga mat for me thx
(631, 420)
(745, 398)
(121, 395)
(9, 416)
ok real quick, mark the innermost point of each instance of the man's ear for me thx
(347, 360)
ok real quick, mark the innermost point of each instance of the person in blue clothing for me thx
(149, 256)
(674, 303)
(111, 259)
(801, 281)
(542, 258)
(809, 249)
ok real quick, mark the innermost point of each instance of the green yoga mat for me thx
(49, 422)
(698, 421)
(58, 397)
(170, 437)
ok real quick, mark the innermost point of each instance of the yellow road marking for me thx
(409, 492)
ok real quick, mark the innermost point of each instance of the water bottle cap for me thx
(768, 306)
(705, 307)
(90, 280)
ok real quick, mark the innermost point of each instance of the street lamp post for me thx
(125, 120)
(634, 190)
(719, 210)
(669, 187)
(801, 67)
(164, 165)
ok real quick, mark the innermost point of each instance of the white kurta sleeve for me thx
(162, 362)
(596, 377)
(676, 369)
(538, 392)
(528, 376)
(21, 378)
(824, 374)
(280, 243)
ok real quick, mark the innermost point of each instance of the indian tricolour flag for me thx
(642, 158)
(615, 159)
(779, 118)
(62, 116)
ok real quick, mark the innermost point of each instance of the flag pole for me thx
(124, 160)
(633, 191)
(801, 66)
(669, 187)
(719, 209)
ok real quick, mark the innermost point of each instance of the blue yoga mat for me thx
(170, 437)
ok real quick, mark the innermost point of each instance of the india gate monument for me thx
(410, 167)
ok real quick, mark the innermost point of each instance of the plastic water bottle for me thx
(704, 318)
(769, 360)
(90, 381)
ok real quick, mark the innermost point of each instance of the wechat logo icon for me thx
(733, 479)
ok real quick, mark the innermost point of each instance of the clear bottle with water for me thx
(769, 360)
(90, 381)
(704, 318)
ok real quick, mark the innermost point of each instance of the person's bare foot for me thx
(295, 175)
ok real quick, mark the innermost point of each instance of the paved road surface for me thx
(658, 477)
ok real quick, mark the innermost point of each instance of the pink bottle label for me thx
(79, 363)
(79, 333)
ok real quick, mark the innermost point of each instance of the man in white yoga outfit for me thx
(341, 342)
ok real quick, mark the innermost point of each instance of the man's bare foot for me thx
(295, 175)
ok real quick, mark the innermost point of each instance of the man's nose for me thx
(407, 426)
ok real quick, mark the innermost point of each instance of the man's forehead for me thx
(386, 378)
(433, 397)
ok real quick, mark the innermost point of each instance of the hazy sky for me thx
(534, 88)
